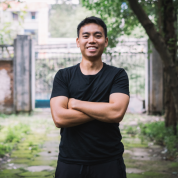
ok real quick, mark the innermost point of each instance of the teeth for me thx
(91, 48)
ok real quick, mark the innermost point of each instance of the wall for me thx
(155, 83)
(6, 87)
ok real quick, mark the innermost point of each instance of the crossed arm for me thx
(72, 112)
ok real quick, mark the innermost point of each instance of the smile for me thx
(92, 48)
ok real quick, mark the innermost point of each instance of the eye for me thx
(86, 36)
(98, 36)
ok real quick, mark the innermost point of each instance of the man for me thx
(88, 101)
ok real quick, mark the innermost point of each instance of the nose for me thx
(91, 39)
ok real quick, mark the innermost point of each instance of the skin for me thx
(70, 112)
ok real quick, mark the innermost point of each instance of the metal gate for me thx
(129, 54)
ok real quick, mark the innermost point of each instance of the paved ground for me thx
(36, 155)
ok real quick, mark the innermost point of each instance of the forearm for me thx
(105, 112)
(69, 118)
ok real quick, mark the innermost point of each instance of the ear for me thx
(77, 42)
(106, 42)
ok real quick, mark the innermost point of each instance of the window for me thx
(31, 32)
(15, 15)
(33, 15)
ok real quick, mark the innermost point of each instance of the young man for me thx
(88, 101)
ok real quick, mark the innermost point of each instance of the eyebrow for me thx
(87, 33)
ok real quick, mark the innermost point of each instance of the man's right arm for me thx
(64, 117)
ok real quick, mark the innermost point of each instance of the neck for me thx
(88, 67)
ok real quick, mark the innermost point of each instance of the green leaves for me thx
(120, 19)
(8, 28)
(117, 15)
(157, 132)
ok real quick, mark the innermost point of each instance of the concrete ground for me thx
(36, 155)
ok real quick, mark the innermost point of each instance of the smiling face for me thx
(92, 41)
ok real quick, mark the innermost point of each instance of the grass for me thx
(158, 133)
(12, 135)
(15, 128)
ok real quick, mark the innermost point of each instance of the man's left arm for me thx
(112, 112)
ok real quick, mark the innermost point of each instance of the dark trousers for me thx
(112, 169)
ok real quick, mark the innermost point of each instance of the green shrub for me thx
(157, 132)
(16, 133)
(131, 130)
(3, 115)
(13, 134)
(5, 148)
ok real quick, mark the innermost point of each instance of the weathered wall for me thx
(23, 77)
(6, 87)
(155, 85)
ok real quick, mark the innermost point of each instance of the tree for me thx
(8, 28)
(159, 19)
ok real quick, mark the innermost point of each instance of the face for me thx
(92, 41)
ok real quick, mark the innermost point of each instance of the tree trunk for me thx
(166, 54)
(170, 112)
(170, 40)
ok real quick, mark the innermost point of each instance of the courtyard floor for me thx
(36, 154)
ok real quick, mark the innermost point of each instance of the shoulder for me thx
(115, 70)
(66, 72)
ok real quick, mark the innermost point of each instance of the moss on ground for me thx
(36, 150)
(148, 175)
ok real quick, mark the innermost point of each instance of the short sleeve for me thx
(120, 83)
(60, 86)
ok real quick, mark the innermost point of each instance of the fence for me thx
(20, 80)
(130, 55)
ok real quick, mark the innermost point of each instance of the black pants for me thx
(113, 169)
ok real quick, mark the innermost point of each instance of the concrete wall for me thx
(23, 76)
(6, 87)
(155, 83)
(17, 77)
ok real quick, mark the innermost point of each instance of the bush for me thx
(5, 148)
(13, 135)
(132, 130)
(16, 133)
(157, 132)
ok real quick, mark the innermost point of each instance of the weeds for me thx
(5, 148)
(3, 116)
(157, 132)
(131, 130)
(16, 133)
(12, 135)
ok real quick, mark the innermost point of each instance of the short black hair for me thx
(92, 19)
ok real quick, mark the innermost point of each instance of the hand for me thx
(71, 103)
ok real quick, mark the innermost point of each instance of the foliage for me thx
(131, 130)
(9, 28)
(157, 132)
(64, 18)
(16, 133)
(12, 135)
(120, 19)
(3, 115)
(5, 148)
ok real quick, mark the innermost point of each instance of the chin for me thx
(93, 55)
(93, 58)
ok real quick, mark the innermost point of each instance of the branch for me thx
(154, 36)
(160, 46)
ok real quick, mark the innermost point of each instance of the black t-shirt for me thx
(95, 141)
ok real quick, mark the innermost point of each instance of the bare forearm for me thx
(69, 118)
(105, 112)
